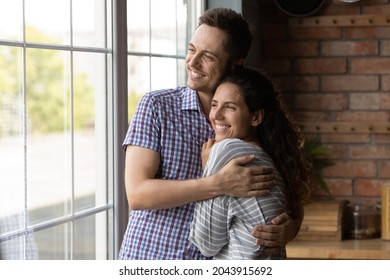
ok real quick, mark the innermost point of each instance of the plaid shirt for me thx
(170, 122)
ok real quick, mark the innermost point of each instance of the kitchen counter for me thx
(360, 249)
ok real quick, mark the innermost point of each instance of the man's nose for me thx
(194, 59)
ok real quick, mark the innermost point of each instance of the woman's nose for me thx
(218, 114)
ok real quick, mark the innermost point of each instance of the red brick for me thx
(385, 80)
(277, 66)
(315, 33)
(376, 32)
(290, 49)
(349, 48)
(384, 169)
(300, 83)
(320, 66)
(376, 9)
(383, 138)
(351, 169)
(385, 48)
(312, 116)
(350, 83)
(346, 138)
(362, 116)
(343, 9)
(379, 65)
(370, 152)
(321, 101)
(340, 187)
(370, 101)
(367, 187)
(273, 31)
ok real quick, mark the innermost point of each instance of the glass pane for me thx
(11, 140)
(181, 72)
(90, 114)
(48, 21)
(89, 23)
(54, 243)
(163, 25)
(19, 248)
(138, 80)
(138, 26)
(49, 155)
(11, 20)
(182, 41)
(164, 73)
(90, 237)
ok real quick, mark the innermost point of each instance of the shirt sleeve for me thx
(209, 229)
(144, 129)
(210, 225)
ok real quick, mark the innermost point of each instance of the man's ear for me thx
(258, 118)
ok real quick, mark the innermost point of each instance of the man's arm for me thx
(282, 230)
(145, 192)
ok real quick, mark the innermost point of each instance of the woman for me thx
(248, 118)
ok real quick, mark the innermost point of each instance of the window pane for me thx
(11, 20)
(54, 243)
(181, 72)
(163, 25)
(89, 112)
(90, 237)
(138, 26)
(89, 23)
(164, 73)
(182, 28)
(49, 154)
(19, 247)
(50, 19)
(11, 140)
(138, 80)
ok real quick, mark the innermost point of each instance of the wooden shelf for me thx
(360, 249)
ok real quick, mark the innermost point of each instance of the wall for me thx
(334, 69)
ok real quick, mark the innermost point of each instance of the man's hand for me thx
(240, 181)
(282, 230)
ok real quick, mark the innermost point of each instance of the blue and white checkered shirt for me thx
(172, 123)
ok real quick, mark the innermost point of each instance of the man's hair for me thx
(239, 31)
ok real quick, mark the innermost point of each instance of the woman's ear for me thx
(258, 117)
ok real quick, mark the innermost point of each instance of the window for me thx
(158, 35)
(59, 112)
(55, 192)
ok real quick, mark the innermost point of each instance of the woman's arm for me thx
(209, 228)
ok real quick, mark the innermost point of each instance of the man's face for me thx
(206, 58)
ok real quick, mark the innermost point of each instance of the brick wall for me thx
(334, 69)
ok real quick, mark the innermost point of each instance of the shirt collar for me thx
(190, 100)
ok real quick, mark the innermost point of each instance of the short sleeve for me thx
(144, 129)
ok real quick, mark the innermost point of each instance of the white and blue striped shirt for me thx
(222, 226)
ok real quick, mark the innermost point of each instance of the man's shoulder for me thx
(167, 93)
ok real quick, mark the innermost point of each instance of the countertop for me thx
(359, 249)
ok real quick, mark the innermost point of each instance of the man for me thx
(163, 151)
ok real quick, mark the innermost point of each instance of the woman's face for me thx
(230, 116)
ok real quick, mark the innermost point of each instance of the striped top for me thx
(222, 226)
(170, 122)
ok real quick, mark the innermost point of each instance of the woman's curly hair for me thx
(279, 135)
